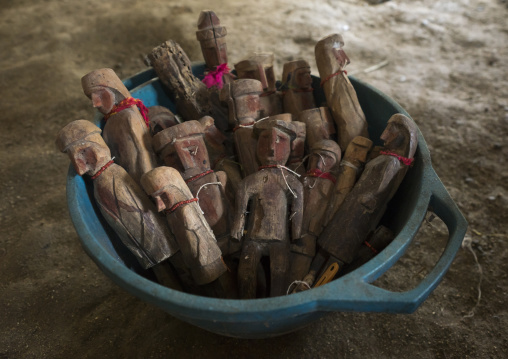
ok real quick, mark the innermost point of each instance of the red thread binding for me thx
(370, 247)
(188, 180)
(128, 103)
(172, 209)
(318, 173)
(103, 168)
(404, 160)
(333, 75)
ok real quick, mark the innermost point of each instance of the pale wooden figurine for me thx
(339, 92)
(318, 184)
(297, 91)
(319, 123)
(160, 118)
(190, 95)
(182, 147)
(350, 170)
(212, 38)
(122, 202)
(242, 99)
(126, 131)
(297, 148)
(221, 158)
(267, 191)
(200, 251)
(259, 66)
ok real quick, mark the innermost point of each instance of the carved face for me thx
(88, 157)
(273, 147)
(163, 199)
(247, 108)
(340, 56)
(214, 52)
(394, 137)
(187, 153)
(103, 99)
(265, 75)
(322, 160)
(302, 78)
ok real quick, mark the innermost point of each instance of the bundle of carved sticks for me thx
(252, 190)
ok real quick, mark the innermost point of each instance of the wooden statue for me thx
(190, 95)
(339, 92)
(364, 206)
(122, 202)
(160, 118)
(350, 170)
(183, 148)
(319, 123)
(297, 91)
(318, 184)
(126, 130)
(268, 191)
(221, 158)
(242, 98)
(212, 38)
(200, 251)
(297, 148)
(259, 66)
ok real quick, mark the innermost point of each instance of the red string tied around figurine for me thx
(179, 204)
(188, 180)
(103, 168)
(215, 77)
(370, 247)
(320, 174)
(128, 103)
(333, 75)
(404, 160)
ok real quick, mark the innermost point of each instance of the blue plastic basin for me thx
(260, 318)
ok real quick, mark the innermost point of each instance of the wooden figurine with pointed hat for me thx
(242, 99)
(267, 191)
(259, 66)
(339, 92)
(126, 130)
(297, 91)
(318, 184)
(122, 202)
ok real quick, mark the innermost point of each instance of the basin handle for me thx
(356, 293)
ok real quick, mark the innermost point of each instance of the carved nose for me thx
(160, 204)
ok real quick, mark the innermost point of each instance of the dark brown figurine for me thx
(242, 98)
(318, 184)
(190, 95)
(126, 130)
(350, 170)
(339, 92)
(297, 91)
(267, 191)
(122, 202)
(259, 66)
(182, 147)
(160, 118)
(297, 147)
(319, 123)
(212, 38)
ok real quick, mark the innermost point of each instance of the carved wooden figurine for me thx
(126, 130)
(350, 170)
(319, 123)
(340, 95)
(183, 148)
(242, 98)
(122, 202)
(190, 95)
(297, 91)
(259, 66)
(221, 158)
(200, 251)
(364, 206)
(318, 183)
(160, 118)
(212, 38)
(267, 190)
(297, 148)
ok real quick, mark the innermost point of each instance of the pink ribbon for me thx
(214, 78)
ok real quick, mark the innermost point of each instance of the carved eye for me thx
(277, 139)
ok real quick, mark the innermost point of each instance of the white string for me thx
(284, 176)
(466, 243)
(297, 282)
(252, 125)
(349, 164)
(204, 185)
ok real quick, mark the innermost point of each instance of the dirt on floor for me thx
(443, 61)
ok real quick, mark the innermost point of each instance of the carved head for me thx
(400, 135)
(258, 66)
(324, 156)
(298, 144)
(212, 133)
(274, 140)
(331, 47)
(166, 186)
(160, 118)
(83, 143)
(182, 147)
(212, 38)
(319, 122)
(242, 97)
(296, 75)
(104, 88)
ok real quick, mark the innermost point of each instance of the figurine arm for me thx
(296, 209)
(243, 195)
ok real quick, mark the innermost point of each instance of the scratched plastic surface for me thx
(267, 317)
